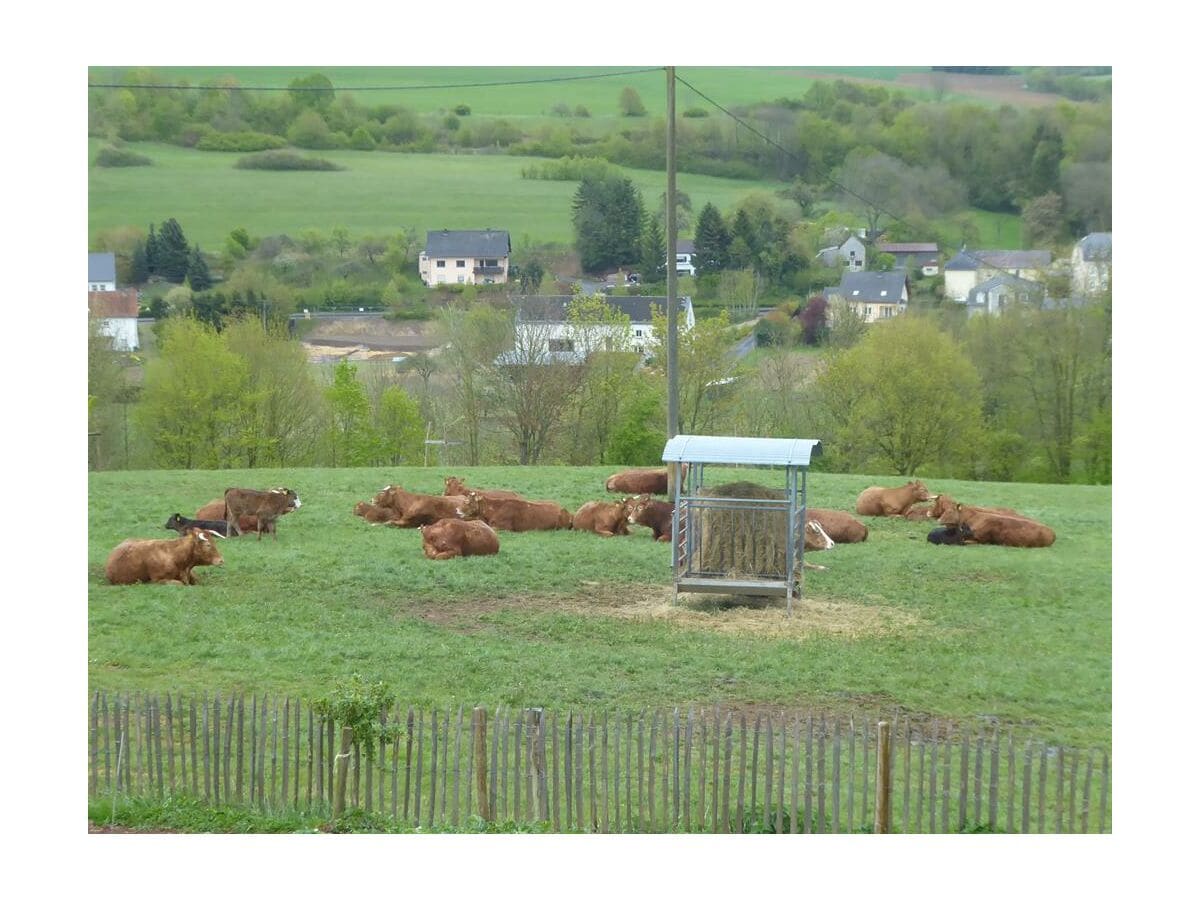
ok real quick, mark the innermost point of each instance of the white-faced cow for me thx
(448, 538)
(881, 501)
(162, 561)
(842, 527)
(266, 506)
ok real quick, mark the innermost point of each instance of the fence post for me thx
(343, 765)
(883, 780)
(479, 717)
(541, 806)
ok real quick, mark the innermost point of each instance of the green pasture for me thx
(378, 193)
(498, 91)
(571, 620)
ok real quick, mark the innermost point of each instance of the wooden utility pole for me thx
(672, 285)
(883, 780)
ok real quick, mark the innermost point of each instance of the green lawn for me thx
(572, 620)
(377, 193)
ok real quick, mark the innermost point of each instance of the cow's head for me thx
(204, 550)
(941, 503)
(920, 491)
(175, 523)
(815, 537)
(455, 487)
(634, 506)
(952, 515)
(361, 507)
(473, 507)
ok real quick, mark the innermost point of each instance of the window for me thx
(460, 263)
(462, 279)
(637, 332)
(883, 293)
(441, 264)
(560, 345)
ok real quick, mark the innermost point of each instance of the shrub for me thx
(695, 112)
(112, 157)
(239, 142)
(286, 160)
(361, 139)
(462, 110)
(561, 110)
(581, 112)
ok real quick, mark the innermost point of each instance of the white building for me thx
(465, 257)
(970, 268)
(543, 326)
(1091, 263)
(685, 262)
(117, 312)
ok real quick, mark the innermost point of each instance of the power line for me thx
(404, 87)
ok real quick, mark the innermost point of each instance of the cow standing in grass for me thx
(162, 561)
(266, 506)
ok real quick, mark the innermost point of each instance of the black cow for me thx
(951, 534)
(180, 524)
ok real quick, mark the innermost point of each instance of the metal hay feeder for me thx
(747, 545)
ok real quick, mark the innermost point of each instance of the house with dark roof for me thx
(873, 295)
(969, 268)
(1091, 263)
(117, 313)
(543, 324)
(920, 257)
(465, 257)
(102, 272)
(851, 253)
(1002, 291)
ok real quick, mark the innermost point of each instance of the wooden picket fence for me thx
(694, 770)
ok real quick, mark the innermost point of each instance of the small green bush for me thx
(240, 142)
(286, 160)
(113, 157)
(462, 110)
(695, 112)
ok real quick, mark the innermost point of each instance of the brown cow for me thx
(606, 519)
(162, 561)
(879, 501)
(267, 506)
(409, 510)
(815, 537)
(920, 513)
(990, 528)
(945, 502)
(376, 515)
(516, 515)
(448, 538)
(842, 527)
(456, 487)
(216, 510)
(638, 481)
(654, 514)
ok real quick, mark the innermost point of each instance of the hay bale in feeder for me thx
(736, 542)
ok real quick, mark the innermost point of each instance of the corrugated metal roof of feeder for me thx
(696, 448)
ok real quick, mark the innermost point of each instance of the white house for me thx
(544, 327)
(465, 257)
(685, 252)
(102, 272)
(117, 312)
(852, 253)
(969, 268)
(1091, 263)
(873, 295)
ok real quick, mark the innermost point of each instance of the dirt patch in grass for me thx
(757, 616)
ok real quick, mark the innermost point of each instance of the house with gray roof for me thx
(915, 256)
(102, 272)
(1091, 263)
(465, 257)
(968, 268)
(873, 295)
(543, 323)
(851, 253)
(1002, 291)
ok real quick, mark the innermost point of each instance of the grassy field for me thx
(572, 619)
(437, 89)
(377, 193)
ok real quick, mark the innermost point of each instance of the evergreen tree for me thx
(654, 251)
(152, 252)
(139, 264)
(743, 242)
(607, 215)
(198, 276)
(711, 241)
(172, 255)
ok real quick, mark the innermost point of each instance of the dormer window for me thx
(883, 293)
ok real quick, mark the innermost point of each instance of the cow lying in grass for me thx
(654, 514)
(606, 519)
(448, 538)
(376, 515)
(180, 525)
(638, 481)
(409, 510)
(881, 501)
(167, 561)
(992, 528)
(955, 535)
(842, 527)
(456, 487)
(507, 514)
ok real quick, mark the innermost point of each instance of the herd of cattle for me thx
(464, 522)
